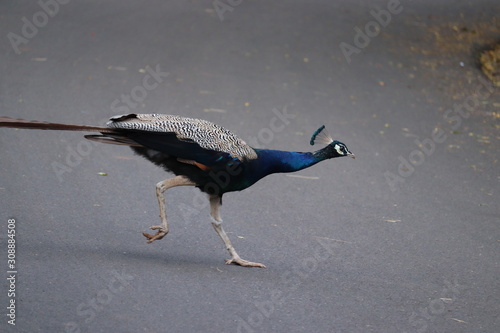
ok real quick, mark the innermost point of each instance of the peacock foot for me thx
(244, 263)
(159, 234)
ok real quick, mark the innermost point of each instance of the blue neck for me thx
(274, 161)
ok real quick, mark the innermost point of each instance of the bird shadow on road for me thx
(109, 255)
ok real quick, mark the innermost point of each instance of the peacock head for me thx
(334, 148)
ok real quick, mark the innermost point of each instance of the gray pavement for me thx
(403, 239)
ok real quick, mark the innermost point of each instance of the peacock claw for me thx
(244, 263)
(159, 234)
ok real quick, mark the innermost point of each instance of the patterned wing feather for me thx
(206, 134)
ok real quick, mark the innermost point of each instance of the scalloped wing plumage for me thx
(206, 134)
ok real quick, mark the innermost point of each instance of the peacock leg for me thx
(161, 187)
(217, 224)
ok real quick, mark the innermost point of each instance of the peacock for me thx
(199, 153)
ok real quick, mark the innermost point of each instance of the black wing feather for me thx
(169, 143)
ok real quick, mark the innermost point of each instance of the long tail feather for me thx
(41, 125)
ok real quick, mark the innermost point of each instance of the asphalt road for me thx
(405, 238)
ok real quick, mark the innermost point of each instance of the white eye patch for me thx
(337, 148)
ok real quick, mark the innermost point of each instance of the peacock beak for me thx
(352, 155)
